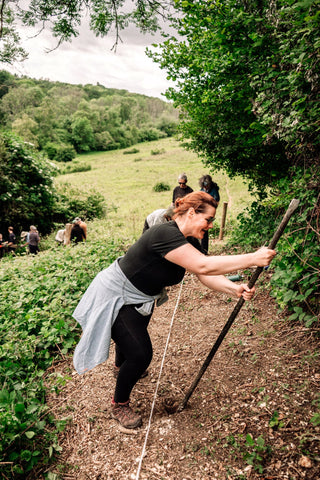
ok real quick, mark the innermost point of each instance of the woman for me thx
(33, 240)
(119, 302)
(207, 185)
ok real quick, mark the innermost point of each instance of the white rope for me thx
(157, 386)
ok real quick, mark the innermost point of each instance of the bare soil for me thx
(263, 381)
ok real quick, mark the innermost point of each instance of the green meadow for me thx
(127, 180)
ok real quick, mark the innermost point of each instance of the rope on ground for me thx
(157, 385)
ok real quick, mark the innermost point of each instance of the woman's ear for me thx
(191, 211)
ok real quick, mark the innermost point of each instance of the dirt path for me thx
(264, 381)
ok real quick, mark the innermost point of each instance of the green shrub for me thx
(158, 151)
(296, 267)
(132, 150)
(161, 187)
(72, 203)
(76, 167)
(60, 152)
(37, 299)
(65, 153)
(51, 149)
(149, 134)
(26, 185)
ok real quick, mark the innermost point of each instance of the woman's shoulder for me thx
(164, 232)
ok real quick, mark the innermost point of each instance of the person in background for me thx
(162, 215)
(119, 302)
(2, 245)
(60, 236)
(12, 245)
(83, 225)
(33, 240)
(183, 189)
(77, 232)
(207, 185)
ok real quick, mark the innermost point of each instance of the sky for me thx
(88, 59)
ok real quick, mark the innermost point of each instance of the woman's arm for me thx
(191, 259)
(222, 284)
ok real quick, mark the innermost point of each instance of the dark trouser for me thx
(133, 349)
(33, 249)
(205, 242)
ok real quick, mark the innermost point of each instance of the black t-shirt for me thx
(180, 192)
(144, 263)
(12, 238)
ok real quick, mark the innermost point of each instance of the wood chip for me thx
(128, 431)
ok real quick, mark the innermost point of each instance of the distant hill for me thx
(64, 119)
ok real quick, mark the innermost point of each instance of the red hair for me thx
(197, 200)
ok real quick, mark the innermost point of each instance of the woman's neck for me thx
(183, 225)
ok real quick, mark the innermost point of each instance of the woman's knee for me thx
(142, 357)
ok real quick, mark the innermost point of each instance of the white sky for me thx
(88, 59)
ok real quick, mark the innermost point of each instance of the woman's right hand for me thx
(264, 256)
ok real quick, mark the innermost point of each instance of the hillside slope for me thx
(249, 417)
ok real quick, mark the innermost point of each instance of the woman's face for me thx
(201, 222)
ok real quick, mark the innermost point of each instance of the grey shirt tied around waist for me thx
(98, 309)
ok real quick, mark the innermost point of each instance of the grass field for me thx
(127, 181)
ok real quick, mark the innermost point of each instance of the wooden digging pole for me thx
(292, 207)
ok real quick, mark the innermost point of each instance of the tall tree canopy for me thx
(64, 19)
(248, 83)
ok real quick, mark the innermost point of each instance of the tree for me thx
(26, 186)
(19, 100)
(26, 127)
(6, 81)
(64, 19)
(82, 135)
(247, 85)
(10, 49)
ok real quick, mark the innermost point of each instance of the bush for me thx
(296, 275)
(51, 149)
(161, 187)
(72, 203)
(76, 167)
(60, 152)
(65, 153)
(26, 185)
(133, 150)
(158, 151)
(150, 134)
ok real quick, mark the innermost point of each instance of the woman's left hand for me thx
(245, 292)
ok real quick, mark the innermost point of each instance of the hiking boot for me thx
(124, 414)
(116, 372)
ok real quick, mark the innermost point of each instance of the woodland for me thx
(62, 119)
(247, 97)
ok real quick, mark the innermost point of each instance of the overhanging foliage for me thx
(247, 76)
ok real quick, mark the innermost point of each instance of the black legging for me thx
(133, 349)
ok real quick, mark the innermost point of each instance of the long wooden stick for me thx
(292, 207)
